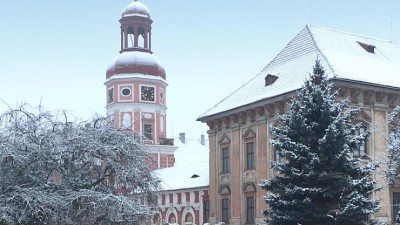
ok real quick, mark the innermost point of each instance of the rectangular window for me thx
(362, 147)
(225, 210)
(277, 157)
(396, 206)
(147, 131)
(250, 155)
(206, 211)
(110, 95)
(225, 160)
(250, 210)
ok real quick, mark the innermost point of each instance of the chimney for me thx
(182, 137)
(202, 140)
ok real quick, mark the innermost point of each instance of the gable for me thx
(249, 134)
(224, 139)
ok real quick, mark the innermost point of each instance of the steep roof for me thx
(191, 158)
(344, 56)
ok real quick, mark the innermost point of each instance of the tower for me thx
(136, 86)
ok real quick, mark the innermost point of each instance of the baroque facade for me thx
(363, 69)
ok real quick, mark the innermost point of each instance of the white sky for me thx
(57, 52)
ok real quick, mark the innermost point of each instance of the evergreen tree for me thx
(317, 181)
(393, 159)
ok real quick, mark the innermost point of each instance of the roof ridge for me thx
(353, 34)
(319, 50)
(280, 52)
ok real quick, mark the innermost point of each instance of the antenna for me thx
(391, 22)
(311, 11)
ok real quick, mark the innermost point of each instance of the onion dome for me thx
(136, 9)
(135, 62)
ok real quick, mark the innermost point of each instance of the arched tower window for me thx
(171, 218)
(141, 37)
(126, 121)
(130, 37)
(156, 219)
(188, 218)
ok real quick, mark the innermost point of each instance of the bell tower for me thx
(136, 86)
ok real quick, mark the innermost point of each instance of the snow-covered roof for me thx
(131, 62)
(341, 54)
(191, 160)
(136, 9)
(135, 57)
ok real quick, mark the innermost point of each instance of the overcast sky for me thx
(57, 52)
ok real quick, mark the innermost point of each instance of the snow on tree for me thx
(317, 181)
(56, 171)
(393, 159)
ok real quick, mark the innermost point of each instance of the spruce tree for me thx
(317, 180)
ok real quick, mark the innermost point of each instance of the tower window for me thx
(171, 218)
(131, 37)
(188, 218)
(126, 92)
(147, 131)
(141, 37)
(110, 95)
(131, 30)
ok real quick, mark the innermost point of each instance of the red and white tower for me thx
(136, 85)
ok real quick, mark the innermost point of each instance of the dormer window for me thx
(270, 79)
(367, 47)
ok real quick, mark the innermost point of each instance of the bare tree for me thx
(57, 171)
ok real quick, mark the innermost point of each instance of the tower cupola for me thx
(136, 8)
(136, 28)
(135, 55)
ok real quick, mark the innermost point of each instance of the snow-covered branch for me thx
(57, 171)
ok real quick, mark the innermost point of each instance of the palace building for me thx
(216, 180)
(364, 69)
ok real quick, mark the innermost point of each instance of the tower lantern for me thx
(136, 28)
